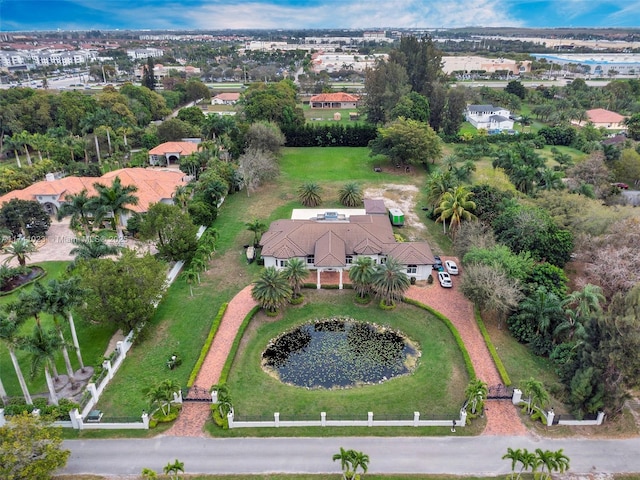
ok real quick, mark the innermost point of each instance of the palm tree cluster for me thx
(548, 461)
(449, 200)
(206, 248)
(538, 397)
(350, 194)
(161, 395)
(386, 281)
(57, 298)
(350, 462)
(476, 394)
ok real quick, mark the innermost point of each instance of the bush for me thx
(236, 344)
(218, 419)
(297, 300)
(384, 306)
(207, 344)
(430, 279)
(363, 300)
(492, 349)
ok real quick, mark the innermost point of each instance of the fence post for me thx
(35, 412)
(177, 397)
(463, 418)
(79, 420)
(416, 418)
(323, 419)
(276, 419)
(73, 415)
(107, 365)
(3, 420)
(214, 396)
(550, 415)
(145, 420)
(517, 396)
(369, 419)
(92, 390)
(600, 418)
(230, 418)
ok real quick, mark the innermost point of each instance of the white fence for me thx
(550, 415)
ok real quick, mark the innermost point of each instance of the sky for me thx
(25, 15)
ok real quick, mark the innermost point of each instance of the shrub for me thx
(296, 300)
(492, 350)
(218, 419)
(235, 345)
(207, 344)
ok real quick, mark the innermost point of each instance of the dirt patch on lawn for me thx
(403, 197)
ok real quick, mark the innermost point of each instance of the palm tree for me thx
(476, 393)
(181, 196)
(162, 394)
(390, 282)
(359, 459)
(93, 248)
(529, 460)
(296, 272)
(70, 295)
(515, 456)
(350, 195)
(9, 328)
(43, 346)
(172, 469)
(571, 327)
(438, 183)
(23, 139)
(561, 461)
(455, 206)
(309, 194)
(149, 474)
(346, 459)
(360, 274)
(546, 459)
(224, 404)
(20, 250)
(585, 302)
(116, 199)
(541, 310)
(190, 276)
(271, 290)
(538, 396)
(79, 207)
(258, 227)
(198, 265)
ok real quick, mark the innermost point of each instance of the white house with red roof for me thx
(602, 118)
(170, 152)
(226, 98)
(334, 100)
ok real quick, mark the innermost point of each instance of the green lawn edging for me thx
(236, 344)
(207, 344)
(454, 331)
(492, 349)
(33, 280)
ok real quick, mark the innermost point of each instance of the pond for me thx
(339, 353)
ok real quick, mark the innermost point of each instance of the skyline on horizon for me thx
(39, 15)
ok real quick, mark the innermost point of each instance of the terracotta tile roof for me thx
(374, 206)
(183, 148)
(334, 97)
(153, 186)
(330, 251)
(228, 96)
(600, 115)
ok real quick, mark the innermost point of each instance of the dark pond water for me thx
(338, 353)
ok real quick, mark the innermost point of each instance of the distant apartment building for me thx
(333, 62)
(47, 57)
(470, 64)
(161, 71)
(144, 53)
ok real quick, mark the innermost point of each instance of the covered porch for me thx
(329, 276)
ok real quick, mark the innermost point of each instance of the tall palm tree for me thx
(390, 282)
(23, 139)
(350, 195)
(561, 461)
(271, 290)
(361, 273)
(309, 194)
(80, 207)
(71, 295)
(190, 276)
(455, 206)
(296, 272)
(538, 396)
(546, 459)
(541, 310)
(9, 329)
(515, 456)
(42, 346)
(438, 183)
(116, 199)
(258, 227)
(20, 250)
(173, 469)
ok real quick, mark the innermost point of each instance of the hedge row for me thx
(454, 331)
(334, 135)
(236, 344)
(492, 349)
(207, 344)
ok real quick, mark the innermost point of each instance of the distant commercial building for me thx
(161, 71)
(144, 53)
(597, 64)
(471, 64)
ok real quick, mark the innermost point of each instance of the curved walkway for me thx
(502, 417)
(194, 414)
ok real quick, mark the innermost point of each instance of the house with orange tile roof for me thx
(154, 186)
(332, 242)
(334, 100)
(226, 98)
(602, 118)
(170, 152)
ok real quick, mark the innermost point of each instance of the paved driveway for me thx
(58, 244)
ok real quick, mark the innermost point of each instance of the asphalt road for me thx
(436, 455)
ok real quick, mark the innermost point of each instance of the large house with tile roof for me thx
(334, 100)
(489, 117)
(602, 118)
(333, 242)
(170, 152)
(153, 186)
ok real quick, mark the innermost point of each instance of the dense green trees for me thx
(274, 102)
(407, 142)
(173, 230)
(25, 218)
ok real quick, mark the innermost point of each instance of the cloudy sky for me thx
(236, 14)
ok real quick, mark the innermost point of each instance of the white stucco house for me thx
(489, 117)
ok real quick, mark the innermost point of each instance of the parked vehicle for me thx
(451, 267)
(621, 185)
(437, 266)
(445, 280)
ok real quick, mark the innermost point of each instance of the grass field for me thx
(326, 115)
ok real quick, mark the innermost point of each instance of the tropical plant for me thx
(224, 403)
(173, 469)
(258, 227)
(43, 345)
(476, 394)
(455, 206)
(149, 474)
(91, 248)
(586, 302)
(389, 281)
(295, 272)
(271, 290)
(9, 329)
(162, 394)
(538, 397)
(116, 199)
(350, 195)
(80, 207)
(190, 276)
(438, 183)
(350, 461)
(309, 194)
(542, 310)
(20, 250)
(361, 273)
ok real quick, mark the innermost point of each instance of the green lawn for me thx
(436, 387)
(93, 341)
(326, 115)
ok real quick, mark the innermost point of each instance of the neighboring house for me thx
(170, 152)
(154, 186)
(226, 98)
(334, 100)
(605, 119)
(489, 117)
(334, 240)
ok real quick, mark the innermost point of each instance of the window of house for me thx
(282, 263)
(412, 269)
(382, 260)
(349, 259)
(311, 259)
